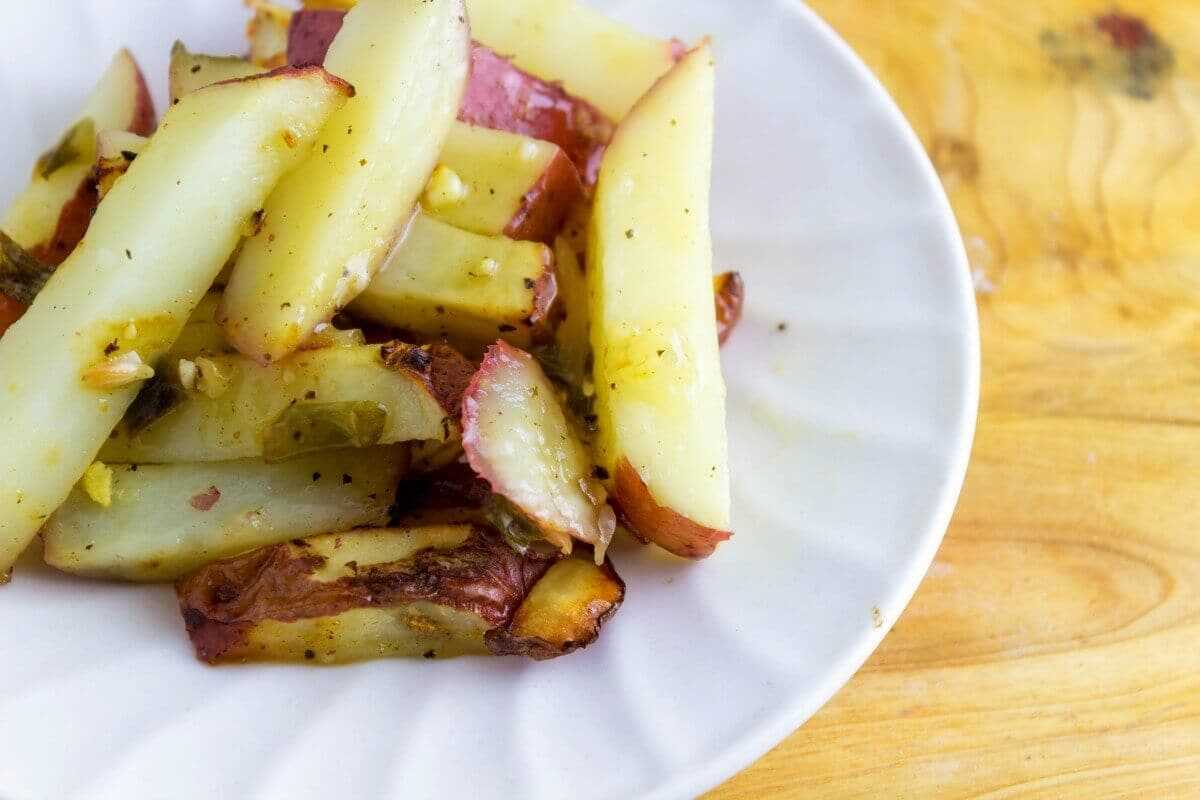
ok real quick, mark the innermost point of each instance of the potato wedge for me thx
(318, 399)
(660, 396)
(470, 289)
(73, 363)
(169, 520)
(191, 71)
(518, 439)
(329, 225)
(50, 216)
(436, 592)
(511, 185)
(594, 57)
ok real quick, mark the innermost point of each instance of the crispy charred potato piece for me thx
(21, 275)
(435, 591)
(319, 399)
(563, 612)
(467, 288)
(74, 362)
(166, 521)
(730, 293)
(329, 225)
(51, 215)
(191, 71)
(660, 395)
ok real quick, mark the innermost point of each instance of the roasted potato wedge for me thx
(501, 183)
(319, 399)
(517, 438)
(122, 297)
(436, 592)
(166, 521)
(442, 282)
(329, 225)
(660, 395)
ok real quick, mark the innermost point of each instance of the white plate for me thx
(850, 432)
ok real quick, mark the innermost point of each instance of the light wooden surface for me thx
(1054, 648)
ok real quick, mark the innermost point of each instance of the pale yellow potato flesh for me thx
(472, 289)
(659, 389)
(329, 225)
(267, 32)
(497, 168)
(606, 63)
(182, 204)
(191, 71)
(168, 520)
(235, 423)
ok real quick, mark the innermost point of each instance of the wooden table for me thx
(1054, 647)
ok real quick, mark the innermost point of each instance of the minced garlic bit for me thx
(97, 482)
(445, 188)
(210, 381)
(488, 267)
(188, 373)
(117, 371)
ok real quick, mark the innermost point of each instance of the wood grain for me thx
(1054, 648)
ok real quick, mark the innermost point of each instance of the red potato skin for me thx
(73, 222)
(310, 34)
(646, 519)
(501, 96)
(498, 95)
(729, 292)
(10, 312)
(144, 119)
(546, 205)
